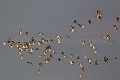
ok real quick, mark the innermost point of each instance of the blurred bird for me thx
(46, 61)
(108, 37)
(72, 29)
(90, 22)
(40, 33)
(96, 62)
(4, 43)
(80, 25)
(104, 36)
(63, 54)
(95, 51)
(115, 28)
(78, 57)
(90, 60)
(30, 63)
(106, 59)
(80, 76)
(20, 31)
(99, 15)
(40, 64)
(115, 58)
(83, 42)
(117, 18)
(38, 70)
(112, 42)
(71, 55)
(26, 33)
(75, 21)
(90, 44)
(93, 47)
(58, 39)
(31, 50)
(71, 62)
(39, 55)
(81, 66)
(85, 56)
(59, 59)
(21, 57)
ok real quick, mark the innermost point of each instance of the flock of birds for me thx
(47, 54)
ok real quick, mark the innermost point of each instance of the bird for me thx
(38, 70)
(106, 59)
(90, 44)
(58, 39)
(115, 58)
(78, 57)
(52, 40)
(104, 36)
(67, 36)
(46, 61)
(90, 60)
(115, 27)
(20, 32)
(26, 33)
(40, 33)
(72, 29)
(4, 43)
(80, 75)
(81, 66)
(21, 57)
(93, 47)
(40, 64)
(80, 25)
(117, 18)
(112, 42)
(90, 22)
(39, 55)
(71, 62)
(75, 21)
(36, 49)
(71, 55)
(59, 59)
(96, 62)
(108, 37)
(63, 55)
(83, 42)
(95, 51)
(99, 15)
(31, 51)
(85, 56)
(30, 63)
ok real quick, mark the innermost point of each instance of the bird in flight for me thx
(117, 18)
(99, 15)
(90, 22)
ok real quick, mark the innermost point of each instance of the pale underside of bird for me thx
(116, 27)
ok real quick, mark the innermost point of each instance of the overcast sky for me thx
(53, 17)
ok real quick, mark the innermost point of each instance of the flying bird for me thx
(117, 18)
(90, 22)
(99, 15)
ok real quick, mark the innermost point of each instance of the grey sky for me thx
(52, 17)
